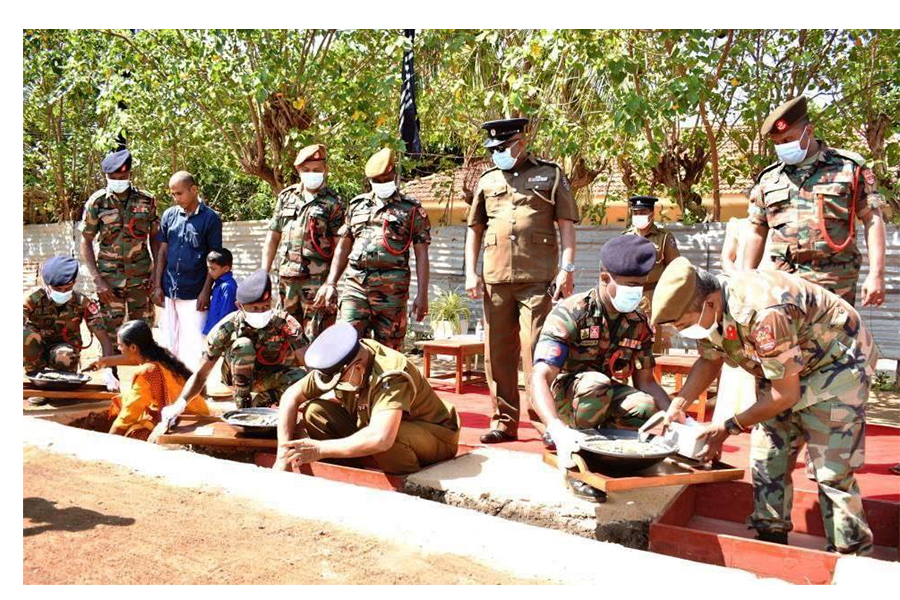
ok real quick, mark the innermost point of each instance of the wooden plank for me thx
(220, 434)
(68, 394)
(370, 478)
(666, 473)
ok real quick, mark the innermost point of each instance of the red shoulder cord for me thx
(312, 238)
(77, 346)
(281, 354)
(625, 373)
(851, 225)
(387, 245)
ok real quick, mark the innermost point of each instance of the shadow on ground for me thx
(44, 514)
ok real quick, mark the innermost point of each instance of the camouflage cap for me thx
(380, 163)
(310, 153)
(674, 291)
(780, 119)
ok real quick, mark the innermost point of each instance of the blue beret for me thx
(502, 129)
(59, 270)
(643, 201)
(333, 348)
(254, 288)
(116, 162)
(628, 255)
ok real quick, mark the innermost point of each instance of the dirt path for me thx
(96, 523)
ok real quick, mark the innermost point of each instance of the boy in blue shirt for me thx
(221, 302)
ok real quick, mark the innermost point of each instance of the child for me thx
(221, 303)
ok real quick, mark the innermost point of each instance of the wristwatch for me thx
(732, 427)
(568, 267)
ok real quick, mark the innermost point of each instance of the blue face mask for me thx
(627, 297)
(504, 160)
(791, 153)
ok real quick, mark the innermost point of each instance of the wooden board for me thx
(89, 391)
(671, 471)
(212, 431)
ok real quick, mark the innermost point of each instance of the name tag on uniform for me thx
(140, 208)
(538, 179)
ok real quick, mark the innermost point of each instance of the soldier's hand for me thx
(873, 291)
(565, 284)
(420, 307)
(715, 436)
(474, 286)
(104, 292)
(325, 296)
(203, 301)
(158, 298)
(674, 414)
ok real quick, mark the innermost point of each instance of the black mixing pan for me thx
(621, 452)
(256, 422)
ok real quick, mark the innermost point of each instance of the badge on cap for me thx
(493, 132)
(781, 124)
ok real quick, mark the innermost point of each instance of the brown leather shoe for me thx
(495, 436)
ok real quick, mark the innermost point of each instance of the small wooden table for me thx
(680, 365)
(461, 348)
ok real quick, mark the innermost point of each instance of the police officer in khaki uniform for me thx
(385, 408)
(642, 224)
(513, 212)
(810, 198)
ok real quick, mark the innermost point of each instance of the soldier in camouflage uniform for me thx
(811, 198)
(813, 359)
(124, 220)
(310, 215)
(52, 317)
(591, 344)
(379, 228)
(262, 348)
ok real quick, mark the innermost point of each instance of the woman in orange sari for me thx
(157, 382)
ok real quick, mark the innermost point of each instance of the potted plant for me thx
(449, 314)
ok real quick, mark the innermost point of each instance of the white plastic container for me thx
(684, 435)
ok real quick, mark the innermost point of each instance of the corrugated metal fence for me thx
(702, 244)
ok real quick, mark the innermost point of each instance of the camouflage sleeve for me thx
(421, 233)
(276, 223)
(345, 230)
(756, 210)
(869, 197)
(708, 351)
(644, 355)
(336, 219)
(557, 335)
(90, 219)
(28, 309)
(153, 219)
(218, 340)
(477, 213)
(564, 205)
(394, 393)
(775, 341)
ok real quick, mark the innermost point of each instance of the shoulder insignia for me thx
(771, 167)
(291, 326)
(92, 307)
(765, 338)
(848, 155)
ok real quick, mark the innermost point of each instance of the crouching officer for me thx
(589, 347)
(384, 408)
(813, 359)
(263, 350)
(52, 318)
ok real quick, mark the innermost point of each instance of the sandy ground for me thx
(91, 523)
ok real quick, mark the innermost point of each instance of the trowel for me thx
(644, 431)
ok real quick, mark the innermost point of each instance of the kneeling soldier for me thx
(263, 350)
(52, 318)
(813, 359)
(589, 347)
(384, 408)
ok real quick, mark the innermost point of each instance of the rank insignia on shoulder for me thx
(731, 333)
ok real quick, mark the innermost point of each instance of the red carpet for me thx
(875, 481)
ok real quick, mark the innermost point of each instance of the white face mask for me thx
(640, 221)
(258, 320)
(118, 186)
(627, 297)
(791, 153)
(59, 297)
(384, 190)
(312, 181)
(697, 331)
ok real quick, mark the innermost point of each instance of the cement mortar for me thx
(519, 487)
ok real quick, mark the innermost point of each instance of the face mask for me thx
(312, 181)
(791, 153)
(60, 297)
(504, 160)
(117, 186)
(258, 320)
(384, 190)
(697, 331)
(627, 297)
(351, 379)
(640, 221)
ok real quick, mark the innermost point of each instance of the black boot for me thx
(775, 537)
(585, 491)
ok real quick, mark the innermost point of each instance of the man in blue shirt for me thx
(187, 232)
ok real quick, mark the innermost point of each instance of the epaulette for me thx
(290, 188)
(849, 155)
(98, 194)
(410, 199)
(494, 168)
(360, 197)
(549, 163)
(144, 193)
(771, 167)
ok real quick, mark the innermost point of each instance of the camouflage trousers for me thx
(838, 278)
(591, 399)
(297, 296)
(417, 445)
(56, 355)
(130, 303)
(376, 301)
(245, 375)
(834, 430)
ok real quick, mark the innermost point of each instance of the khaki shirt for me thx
(666, 251)
(389, 392)
(519, 209)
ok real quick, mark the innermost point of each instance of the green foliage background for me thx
(234, 106)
